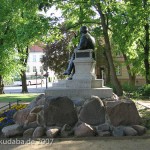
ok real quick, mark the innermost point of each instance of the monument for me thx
(82, 81)
(55, 115)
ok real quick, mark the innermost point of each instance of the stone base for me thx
(84, 69)
(82, 83)
(104, 92)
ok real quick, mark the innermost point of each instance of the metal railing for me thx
(10, 104)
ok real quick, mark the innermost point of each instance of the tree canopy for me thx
(122, 24)
(20, 26)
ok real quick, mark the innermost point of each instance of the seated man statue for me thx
(86, 42)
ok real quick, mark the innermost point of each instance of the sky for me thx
(52, 12)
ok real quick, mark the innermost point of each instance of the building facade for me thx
(34, 65)
(36, 53)
(122, 73)
(102, 70)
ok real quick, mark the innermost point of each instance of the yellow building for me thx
(102, 70)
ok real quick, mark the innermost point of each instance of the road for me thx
(31, 89)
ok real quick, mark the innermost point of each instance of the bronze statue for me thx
(86, 42)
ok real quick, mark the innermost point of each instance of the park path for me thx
(128, 143)
(145, 103)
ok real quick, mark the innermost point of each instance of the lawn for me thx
(13, 97)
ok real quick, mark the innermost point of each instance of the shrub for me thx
(128, 87)
(145, 90)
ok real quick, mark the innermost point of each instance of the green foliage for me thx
(130, 90)
(136, 92)
(145, 90)
(128, 87)
(145, 115)
(128, 21)
(57, 54)
(20, 27)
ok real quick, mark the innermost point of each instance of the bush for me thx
(128, 87)
(145, 90)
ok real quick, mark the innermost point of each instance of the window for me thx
(41, 57)
(34, 69)
(41, 69)
(118, 70)
(34, 58)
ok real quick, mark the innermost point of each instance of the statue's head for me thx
(83, 29)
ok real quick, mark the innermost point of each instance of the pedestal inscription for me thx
(84, 65)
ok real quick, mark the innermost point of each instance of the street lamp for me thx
(41, 76)
(46, 69)
(36, 76)
(46, 75)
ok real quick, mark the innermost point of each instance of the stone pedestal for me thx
(84, 83)
(81, 83)
(74, 93)
(84, 65)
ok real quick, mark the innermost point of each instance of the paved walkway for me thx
(31, 88)
(128, 143)
(144, 103)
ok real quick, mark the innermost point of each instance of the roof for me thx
(36, 48)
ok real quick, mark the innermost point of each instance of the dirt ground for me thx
(126, 143)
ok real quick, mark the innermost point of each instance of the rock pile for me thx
(62, 117)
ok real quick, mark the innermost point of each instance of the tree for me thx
(57, 54)
(125, 26)
(146, 46)
(131, 36)
(31, 27)
(20, 28)
(108, 51)
(9, 63)
(83, 12)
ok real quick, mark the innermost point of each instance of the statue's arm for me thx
(83, 43)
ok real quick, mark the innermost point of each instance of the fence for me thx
(10, 104)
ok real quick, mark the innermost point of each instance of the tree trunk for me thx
(147, 46)
(1, 85)
(114, 79)
(23, 74)
(108, 70)
(146, 55)
(132, 76)
(24, 84)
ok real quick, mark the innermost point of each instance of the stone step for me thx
(59, 83)
(104, 92)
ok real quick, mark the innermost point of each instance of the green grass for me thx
(14, 97)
